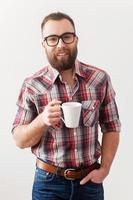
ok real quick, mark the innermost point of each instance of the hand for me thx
(51, 114)
(96, 176)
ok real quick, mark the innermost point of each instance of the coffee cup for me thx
(71, 113)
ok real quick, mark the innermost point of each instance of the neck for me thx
(67, 76)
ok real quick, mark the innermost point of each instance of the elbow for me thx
(19, 140)
(19, 144)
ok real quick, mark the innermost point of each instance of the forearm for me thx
(30, 134)
(110, 143)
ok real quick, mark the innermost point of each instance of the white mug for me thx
(71, 112)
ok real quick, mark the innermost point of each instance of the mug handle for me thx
(62, 112)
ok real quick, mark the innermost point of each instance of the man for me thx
(67, 158)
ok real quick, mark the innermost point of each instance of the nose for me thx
(60, 43)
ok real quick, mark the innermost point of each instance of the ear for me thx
(77, 39)
(43, 44)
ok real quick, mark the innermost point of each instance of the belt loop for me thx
(83, 171)
(58, 171)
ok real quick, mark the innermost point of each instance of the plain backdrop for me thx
(105, 31)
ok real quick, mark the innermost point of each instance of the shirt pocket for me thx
(90, 112)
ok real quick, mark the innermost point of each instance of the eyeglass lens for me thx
(53, 40)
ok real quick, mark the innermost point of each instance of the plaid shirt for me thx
(62, 146)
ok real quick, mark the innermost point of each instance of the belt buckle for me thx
(65, 174)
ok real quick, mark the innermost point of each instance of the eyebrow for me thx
(59, 35)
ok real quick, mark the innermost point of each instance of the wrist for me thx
(105, 169)
(41, 121)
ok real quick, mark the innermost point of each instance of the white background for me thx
(105, 30)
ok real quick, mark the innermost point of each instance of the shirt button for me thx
(74, 133)
(93, 107)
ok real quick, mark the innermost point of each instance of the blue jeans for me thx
(48, 186)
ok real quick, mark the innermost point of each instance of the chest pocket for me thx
(90, 112)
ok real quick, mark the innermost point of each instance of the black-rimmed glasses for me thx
(53, 40)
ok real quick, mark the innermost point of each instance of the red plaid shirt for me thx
(62, 146)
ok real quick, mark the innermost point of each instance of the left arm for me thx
(110, 143)
(109, 146)
(110, 127)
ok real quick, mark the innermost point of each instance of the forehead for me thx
(57, 27)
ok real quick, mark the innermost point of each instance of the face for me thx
(62, 56)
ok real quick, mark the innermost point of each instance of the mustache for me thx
(63, 50)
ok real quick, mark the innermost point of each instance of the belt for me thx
(69, 173)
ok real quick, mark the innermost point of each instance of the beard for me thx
(62, 63)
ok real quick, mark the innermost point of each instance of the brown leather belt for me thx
(70, 173)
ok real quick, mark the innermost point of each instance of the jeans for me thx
(54, 187)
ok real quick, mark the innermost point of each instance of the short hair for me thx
(56, 16)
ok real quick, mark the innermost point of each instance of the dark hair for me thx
(56, 16)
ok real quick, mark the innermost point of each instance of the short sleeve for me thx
(26, 107)
(109, 117)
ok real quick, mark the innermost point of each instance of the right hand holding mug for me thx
(52, 113)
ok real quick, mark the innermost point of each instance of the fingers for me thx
(86, 179)
(53, 108)
(96, 176)
(54, 102)
(52, 113)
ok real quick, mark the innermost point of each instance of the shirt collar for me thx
(78, 69)
(52, 73)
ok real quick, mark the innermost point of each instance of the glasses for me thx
(53, 40)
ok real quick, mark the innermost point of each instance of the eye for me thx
(67, 36)
(52, 39)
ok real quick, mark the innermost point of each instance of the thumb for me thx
(85, 179)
